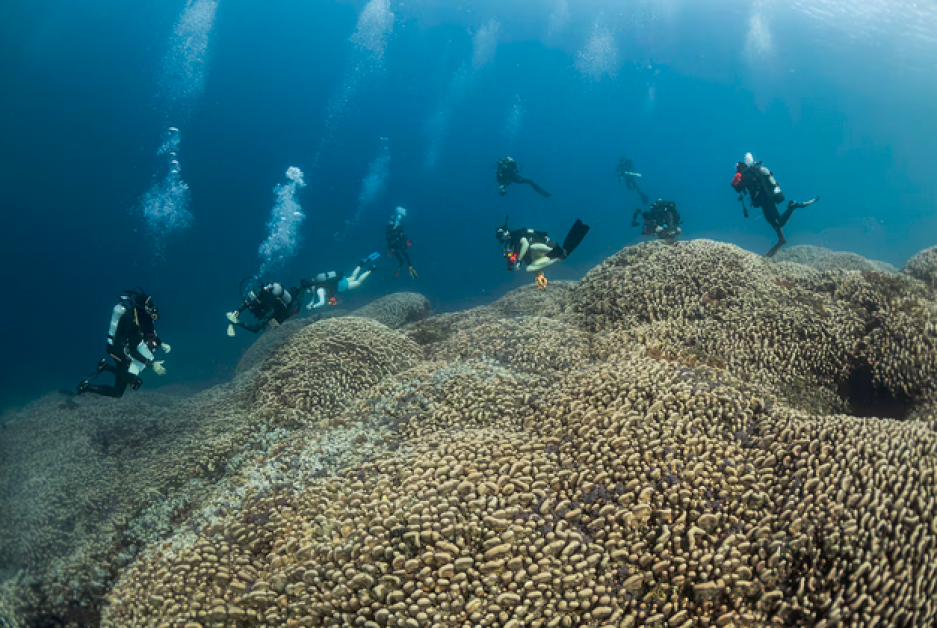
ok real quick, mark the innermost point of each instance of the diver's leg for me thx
(787, 215)
(355, 280)
(539, 190)
(542, 263)
(644, 197)
(122, 377)
(770, 211)
(774, 249)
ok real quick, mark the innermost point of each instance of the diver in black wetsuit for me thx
(763, 190)
(626, 173)
(662, 220)
(536, 250)
(270, 305)
(509, 173)
(131, 341)
(398, 243)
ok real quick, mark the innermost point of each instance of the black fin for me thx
(575, 236)
(539, 190)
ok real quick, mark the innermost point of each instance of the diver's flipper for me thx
(83, 387)
(539, 190)
(575, 236)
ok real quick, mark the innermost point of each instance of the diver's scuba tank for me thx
(770, 184)
(284, 296)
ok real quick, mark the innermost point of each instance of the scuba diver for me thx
(131, 341)
(508, 173)
(326, 287)
(763, 190)
(626, 173)
(398, 243)
(661, 220)
(536, 250)
(270, 305)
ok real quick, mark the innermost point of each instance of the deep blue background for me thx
(840, 108)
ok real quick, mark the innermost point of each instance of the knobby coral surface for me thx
(691, 436)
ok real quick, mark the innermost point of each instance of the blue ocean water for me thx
(411, 103)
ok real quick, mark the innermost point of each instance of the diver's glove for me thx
(232, 317)
(165, 347)
(231, 330)
(273, 323)
(311, 305)
(413, 273)
(158, 368)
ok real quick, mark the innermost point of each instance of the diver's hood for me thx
(251, 288)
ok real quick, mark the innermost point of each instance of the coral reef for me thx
(325, 363)
(818, 339)
(525, 343)
(271, 340)
(820, 258)
(923, 266)
(690, 436)
(525, 301)
(394, 311)
(77, 477)
(647, 494)
(397, 310)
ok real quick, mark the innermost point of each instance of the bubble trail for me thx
(372, 186)
(372, 33)
(513, 120)
(165, 205)
(600, 56)
(185, 64)
(286, 217)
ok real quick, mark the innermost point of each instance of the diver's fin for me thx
(539, 190)
(575, 236)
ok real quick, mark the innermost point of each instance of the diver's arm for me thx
(261, 322)
(142, 353)
(315, 304)
(116, 315)
(253, 327)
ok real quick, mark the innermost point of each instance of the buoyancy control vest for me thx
(396, 239)
(762, 186)
(328, 281)
(131, 331)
